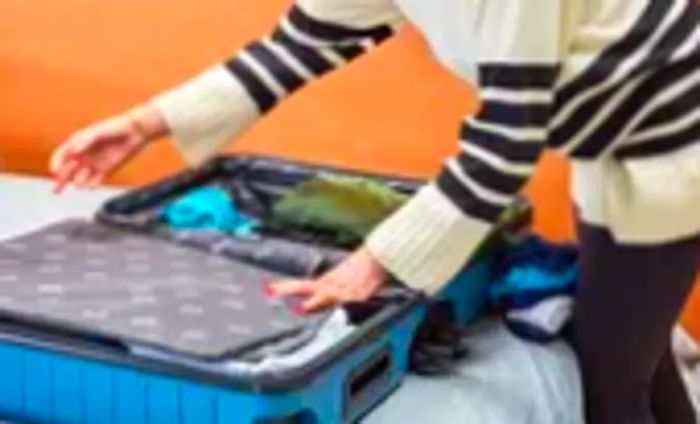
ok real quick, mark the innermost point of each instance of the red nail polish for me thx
(299, 309)
(268, 290)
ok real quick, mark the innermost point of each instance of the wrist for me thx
(378, 269)
(148, 122)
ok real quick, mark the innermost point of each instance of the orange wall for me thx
(80, 60)
(66, 63)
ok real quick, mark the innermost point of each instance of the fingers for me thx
(322, 293)
(83, 175)
(71, 149)
(66, 174)
(292, 288)
(318, 295)
(60, 158)
(76, 172)
(66, 163)
(95, 180)
(322, 299)
(354, 280)
(93, 149)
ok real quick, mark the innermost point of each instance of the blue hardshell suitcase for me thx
(51, 373)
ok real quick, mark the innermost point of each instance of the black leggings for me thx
(629, 300)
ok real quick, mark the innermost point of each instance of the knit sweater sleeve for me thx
(429, 240)
(313, 38)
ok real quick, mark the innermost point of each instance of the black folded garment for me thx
(286, 256)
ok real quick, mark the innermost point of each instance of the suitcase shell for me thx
(56, 377)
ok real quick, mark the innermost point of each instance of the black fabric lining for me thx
(686, 104)
(466, 200)
(568, 130)
(518, 77)
(612, 57)
(526, 152)
(488, 177)
(333, 32)
(515, 115)
(316, 63)
(261, 94)
(276, 66)
(661, 145)
(610, 129)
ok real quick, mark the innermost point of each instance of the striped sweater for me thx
(615, 85)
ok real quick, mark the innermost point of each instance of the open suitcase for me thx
(169, 359)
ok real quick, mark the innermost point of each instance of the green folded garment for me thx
(348, 208)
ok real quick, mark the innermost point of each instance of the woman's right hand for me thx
(93, 153)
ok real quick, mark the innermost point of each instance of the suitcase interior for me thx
(257, 182)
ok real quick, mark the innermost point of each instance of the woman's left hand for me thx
(356, 279)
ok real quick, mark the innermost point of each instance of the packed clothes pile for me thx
(533, 280)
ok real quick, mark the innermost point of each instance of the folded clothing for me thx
(531, 270)
(285, 256)
(348, 208)
(305, 232)
(543, 321)
(530, 283)
(208, 208)
(534, 286)
(335, 329)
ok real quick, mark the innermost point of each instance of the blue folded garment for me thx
(209, 208)
(527, 298)
(534, 285)
(533, 270)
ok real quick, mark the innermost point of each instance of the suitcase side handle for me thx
(362, 382)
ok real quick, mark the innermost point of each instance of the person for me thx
(614, 85)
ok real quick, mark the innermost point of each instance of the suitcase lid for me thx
(100, 281)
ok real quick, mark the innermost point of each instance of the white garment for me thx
(331, 333)
(548, 317)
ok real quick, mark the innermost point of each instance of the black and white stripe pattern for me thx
(300, 49)
(598, 112)
(621, 104)
(671, 120)
(641, 96)
(615, 130)
(502, 144)
(331, 33)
